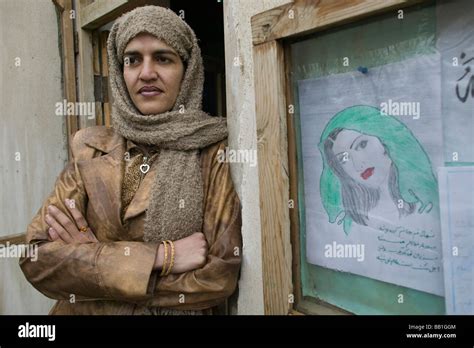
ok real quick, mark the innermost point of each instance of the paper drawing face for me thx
(362, 157)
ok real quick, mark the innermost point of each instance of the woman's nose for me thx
(148, 72)
(357, 161)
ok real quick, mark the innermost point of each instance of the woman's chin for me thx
(370, 182)
(151, 110)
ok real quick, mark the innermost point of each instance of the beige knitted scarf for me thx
(176, 199)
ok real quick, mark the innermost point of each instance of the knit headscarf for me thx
(176, 201)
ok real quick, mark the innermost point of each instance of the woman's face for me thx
(152, 72)
(363, 157)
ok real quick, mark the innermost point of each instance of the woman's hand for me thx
(190, 253)
(62, 228)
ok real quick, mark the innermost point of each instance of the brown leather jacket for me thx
(114, 276)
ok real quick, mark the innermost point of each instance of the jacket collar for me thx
(103, 177)
(106, 141)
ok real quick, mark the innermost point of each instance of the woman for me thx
(144, 219)
(373, 168)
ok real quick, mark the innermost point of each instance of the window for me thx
(358, 119)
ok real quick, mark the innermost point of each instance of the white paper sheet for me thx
(456, 187)
(418, 264)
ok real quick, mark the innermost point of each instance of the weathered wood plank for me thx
(96, 63)
(293, 178)
(69, 72)
(59, 4)
(85, 65)
(273, 175)
(14, 239)
(101, 12)
(105, 72)
(307, 16)
(316, 307)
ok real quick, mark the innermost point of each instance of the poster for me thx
(371, 143)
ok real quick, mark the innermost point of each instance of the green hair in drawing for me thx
(364, 149)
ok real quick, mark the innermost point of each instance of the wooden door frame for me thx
(276, 144)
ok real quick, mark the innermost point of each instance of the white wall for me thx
(28, 93)
(242, 130)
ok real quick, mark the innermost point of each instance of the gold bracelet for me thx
(172, 257)
(165, 259)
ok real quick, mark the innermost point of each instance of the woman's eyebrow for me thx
(355, 140)
(165, 51)
(160, 51)
(132, 53)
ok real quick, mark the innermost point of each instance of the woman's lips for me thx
(149, 93)
(367, 173)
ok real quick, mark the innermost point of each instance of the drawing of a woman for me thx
(373, 166)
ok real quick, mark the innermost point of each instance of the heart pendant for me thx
(144, 168)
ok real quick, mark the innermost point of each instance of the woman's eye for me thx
(362, 144)
(343, 158)
(162, 60)
(130, 60)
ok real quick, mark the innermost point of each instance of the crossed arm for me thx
(74, 262)
(191, 252)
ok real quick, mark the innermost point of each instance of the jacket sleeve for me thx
(217, 279)
(89, 271)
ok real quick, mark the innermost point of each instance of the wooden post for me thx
(273, 174)
(69, 67)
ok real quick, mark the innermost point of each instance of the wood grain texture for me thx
(273, 176)
(68, 64)
(98, 13)
(85, 64)
(307, 16)
(96, 49)
(101, 12)
(293, 179)
(14, 239)
(59, 4)
(105, 72)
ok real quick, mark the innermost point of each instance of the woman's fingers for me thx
(53, 234)
(80, 220)
(76, 214)
(65, 228)
(64, 220)
(62, 233)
